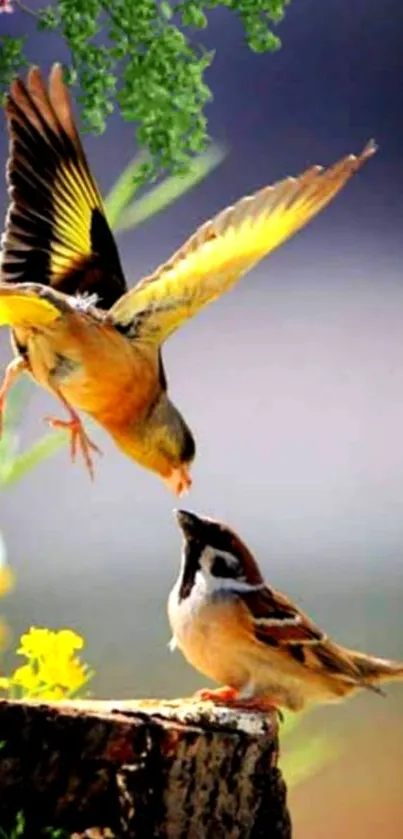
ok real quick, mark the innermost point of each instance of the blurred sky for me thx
(293, 383)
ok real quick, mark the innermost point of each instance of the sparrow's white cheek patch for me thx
(211, 557)
(210, 584)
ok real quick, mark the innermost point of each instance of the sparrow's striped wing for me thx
(223, 249)
(56, 232)
(277, 623)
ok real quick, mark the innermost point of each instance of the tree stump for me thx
(149, 769)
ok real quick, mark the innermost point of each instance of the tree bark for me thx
(149, 769)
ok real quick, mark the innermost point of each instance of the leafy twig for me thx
(143, 57)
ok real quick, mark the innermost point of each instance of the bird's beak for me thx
(189, 523)
(179, 481)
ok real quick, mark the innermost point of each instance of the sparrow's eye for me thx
(218, 563)
(223, 566)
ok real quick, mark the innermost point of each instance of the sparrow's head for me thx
(217, 551)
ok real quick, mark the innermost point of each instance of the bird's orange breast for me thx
(95, 368)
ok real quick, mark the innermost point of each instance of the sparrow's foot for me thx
(229, 696)
(258, 703)
(13, 370)
(179, 480)
(225, 695)
(79, 440)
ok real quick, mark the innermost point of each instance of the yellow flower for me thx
(4, 683)
(35, 642)
(26, 679)
(68, 641)
(52, 670)
(67, 673)
(39, 643)
(52, 693)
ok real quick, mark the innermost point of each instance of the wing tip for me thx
(33, 72)
(34, 79)
(370, 148)
(56, 74)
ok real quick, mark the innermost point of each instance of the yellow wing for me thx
(56, 232)
(224, 248)
(27, 306)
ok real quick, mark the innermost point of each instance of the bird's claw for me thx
(224, 695)
(79, 440)
(229, 696)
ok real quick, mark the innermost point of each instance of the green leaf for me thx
(9, 442)
(290, 722)
(48, 19)
(16, 402)
(166, 9)
(123, 190)
(17, 832)
(11, 60)
(170, 189)
(193, 15)
(307, 758)
(39, 451)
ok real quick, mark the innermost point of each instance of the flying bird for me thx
(76, 328)
(237, 630)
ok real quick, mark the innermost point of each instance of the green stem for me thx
(26, 9)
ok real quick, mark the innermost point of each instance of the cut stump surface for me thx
(147, 769)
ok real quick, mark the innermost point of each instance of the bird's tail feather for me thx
(375, 670)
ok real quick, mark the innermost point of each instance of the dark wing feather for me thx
(278, 623)
(56, 231)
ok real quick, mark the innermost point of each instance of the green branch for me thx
(142, 57)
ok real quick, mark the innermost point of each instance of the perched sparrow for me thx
(237, 630)
(75, 328)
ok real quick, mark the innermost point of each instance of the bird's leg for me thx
(13, 370)
(229, 696)
(79, 439)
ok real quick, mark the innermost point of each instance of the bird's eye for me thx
(222, 567)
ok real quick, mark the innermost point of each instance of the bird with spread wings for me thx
(75, 327)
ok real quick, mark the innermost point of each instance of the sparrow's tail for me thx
(26, 306)
(375, 670)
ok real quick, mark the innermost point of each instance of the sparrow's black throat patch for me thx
(191, 565)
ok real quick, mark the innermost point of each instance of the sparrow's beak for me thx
(189, 523)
